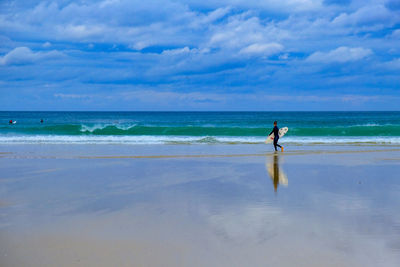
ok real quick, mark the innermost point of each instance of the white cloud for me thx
(108, 3)
(177, 99)
(368, 15)
(278, 6)
(393, 64)
(177, 51)
(211, 17)
(262, 49)
(341, 55)
(395, 34)
(46, 44)
(82, 32)
(246, 34)
(24, 55)
(72, 96)
(230, 25)
(284, 56)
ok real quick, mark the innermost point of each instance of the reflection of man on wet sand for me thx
(277, 176)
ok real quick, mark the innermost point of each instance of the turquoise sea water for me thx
(198, 127)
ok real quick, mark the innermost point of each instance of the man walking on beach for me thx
(276, 136)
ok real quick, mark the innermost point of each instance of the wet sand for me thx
(199, 205)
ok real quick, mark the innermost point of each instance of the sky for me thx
(204, 55)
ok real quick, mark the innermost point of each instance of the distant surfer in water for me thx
(276, 136)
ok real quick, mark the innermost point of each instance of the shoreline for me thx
(191, 140)
(104, 151)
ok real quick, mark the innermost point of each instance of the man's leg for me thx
(276, 143)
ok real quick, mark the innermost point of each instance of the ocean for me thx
(198, 127)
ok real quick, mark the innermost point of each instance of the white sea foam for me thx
(370, 125)
(342, 140)
(146, 139)
(92, 128)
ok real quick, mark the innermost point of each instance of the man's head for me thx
(275, 123)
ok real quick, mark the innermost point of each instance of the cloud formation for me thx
(341, 54)
(24, 55)
(218, 48)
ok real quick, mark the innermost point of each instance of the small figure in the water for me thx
(275, 130)
(11, 122)
(41, 121)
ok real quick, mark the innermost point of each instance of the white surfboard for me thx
(282, 132)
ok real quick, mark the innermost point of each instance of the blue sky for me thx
(200, 55)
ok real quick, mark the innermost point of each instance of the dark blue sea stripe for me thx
(77, 129)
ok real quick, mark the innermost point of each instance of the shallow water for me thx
(327, 206)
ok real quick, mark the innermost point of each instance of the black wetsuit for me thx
(276, 136)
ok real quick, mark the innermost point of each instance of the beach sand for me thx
(199, 205)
